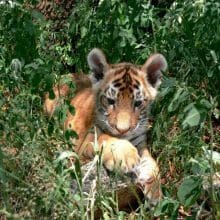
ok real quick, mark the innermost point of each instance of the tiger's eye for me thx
(111, 101)
(106, 101)
(137, 103)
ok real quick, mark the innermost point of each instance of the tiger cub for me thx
(117, 104)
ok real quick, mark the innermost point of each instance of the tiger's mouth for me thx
(121, 133)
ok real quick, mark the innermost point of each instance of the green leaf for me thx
(214, 56)
(205, 103)
(83, 32)
(36, 80)
(179, 97)
(78, 171)
(50, 128)
(51, 94)
(189, 190)
(77, 197)
(71, 134)
(72, 109)
(192, 118)
(2, 173)
(37, 15)
(167, 207)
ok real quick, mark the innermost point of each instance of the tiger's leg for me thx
(148, 177)
(118, 153)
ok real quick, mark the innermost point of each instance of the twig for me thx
(94, 162)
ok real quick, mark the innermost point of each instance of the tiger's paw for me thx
(148, 178)
(120, 154)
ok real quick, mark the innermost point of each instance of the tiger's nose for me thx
(123, 122)
(122, 131)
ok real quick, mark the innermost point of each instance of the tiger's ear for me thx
(97, 63)
(153, 67)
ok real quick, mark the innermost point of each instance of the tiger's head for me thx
(124, 93)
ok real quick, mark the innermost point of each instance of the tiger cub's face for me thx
(124, 93)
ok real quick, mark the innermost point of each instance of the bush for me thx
(35, 52)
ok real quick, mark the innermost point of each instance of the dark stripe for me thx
(140, 138)
(117, 84)
(133, 71)
(137, 82)
(118, 71)
(136, 86)
(130, 89)
(112, 92)
(127, 78)
(116, 81)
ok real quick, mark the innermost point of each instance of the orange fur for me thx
(51, 104)
(84, 114)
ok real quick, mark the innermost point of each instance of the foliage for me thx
(34, 54)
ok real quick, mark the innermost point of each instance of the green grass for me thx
(185, 116)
